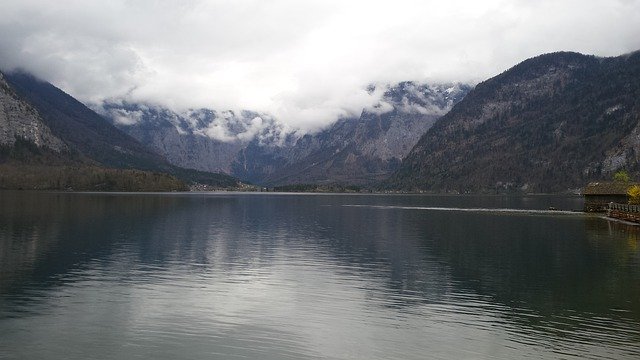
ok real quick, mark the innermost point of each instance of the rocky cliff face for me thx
(40, 113)
(359, 150)
(19, 120)
(551, 123)
(86, 133)
(254, 147)
(198, 139)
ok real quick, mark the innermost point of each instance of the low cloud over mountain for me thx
(305, 63)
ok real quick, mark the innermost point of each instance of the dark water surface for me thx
(267, 276)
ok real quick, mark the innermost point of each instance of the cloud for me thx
(125, 117)
(245, 129)
(306, 63)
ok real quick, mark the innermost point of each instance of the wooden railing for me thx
(624, 207)
(624, 212)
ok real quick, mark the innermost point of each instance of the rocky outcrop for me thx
(86, 133)
(359, 150)
(254, 147)
(42, 114)
(182, 138)
(20, 121)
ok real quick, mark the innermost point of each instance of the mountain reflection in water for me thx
(312, 276)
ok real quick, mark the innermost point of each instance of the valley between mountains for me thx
(549, 124)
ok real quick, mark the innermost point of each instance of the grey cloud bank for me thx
(306, 63)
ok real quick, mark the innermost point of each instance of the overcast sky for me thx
(304, 61)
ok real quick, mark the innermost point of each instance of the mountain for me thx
(359, 150)
(256, 148)
(550, 123)
(42, 126)
(201, 139)
(32, 157)
(84, 131)
(19, 121)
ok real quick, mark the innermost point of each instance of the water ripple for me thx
(268, 277)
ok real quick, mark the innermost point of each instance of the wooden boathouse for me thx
(612, 198)
(598, 195)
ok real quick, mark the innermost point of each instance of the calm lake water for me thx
(268, 276)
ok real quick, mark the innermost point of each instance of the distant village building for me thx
(598, 195)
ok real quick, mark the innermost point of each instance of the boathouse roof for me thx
(607, 188)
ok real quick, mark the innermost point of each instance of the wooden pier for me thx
(624, 212)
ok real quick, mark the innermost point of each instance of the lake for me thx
(282, 276)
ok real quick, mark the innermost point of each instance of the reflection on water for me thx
(196, 276)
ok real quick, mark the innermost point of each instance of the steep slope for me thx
(88, 140)
(20, 121)
(82, 129)
(551, 123)
(191, 139)
(355, 150)
(31, 157)
(254, 147)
